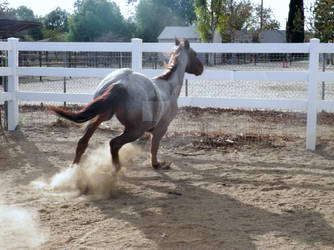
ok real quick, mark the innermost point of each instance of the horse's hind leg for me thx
(158, 133)
(83, 141)
(129, 135)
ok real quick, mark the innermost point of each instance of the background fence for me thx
(249, 76)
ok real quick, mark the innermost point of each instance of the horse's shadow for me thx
(195, 217)
(325, 150)
(22, 153)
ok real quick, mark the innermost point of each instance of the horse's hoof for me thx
(74, 165)
(85, 191)
(162, 165)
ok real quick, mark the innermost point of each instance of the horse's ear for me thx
(186, 44)
(177, 41)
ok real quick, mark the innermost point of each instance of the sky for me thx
(280, 8)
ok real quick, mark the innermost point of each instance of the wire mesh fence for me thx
(193, 87)
(238, 61)
(210, 127)
(3, 63)
(72, 85)
(240, 122)
(75, 59)
(256, 61)
(326, 65)
(154, 60)
(3, 88)
(245, 89)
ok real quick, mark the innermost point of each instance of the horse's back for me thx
(114, 77)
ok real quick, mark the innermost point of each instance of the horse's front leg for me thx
(157, 135)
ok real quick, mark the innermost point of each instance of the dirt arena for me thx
(255, 189)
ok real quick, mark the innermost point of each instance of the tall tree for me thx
(26, 14)
(210, 17)
(4, 10)
(238, 17)
(268, 20)
(324, 20)
(295, 25)
(93, 18)
(152, 17)
(243, 15)
(183, 9)
(262, 19)
(57, 20)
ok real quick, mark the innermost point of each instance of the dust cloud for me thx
(96, 176)
(19, 228)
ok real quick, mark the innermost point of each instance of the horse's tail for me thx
(109, 100)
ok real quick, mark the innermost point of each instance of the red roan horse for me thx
(141, 104)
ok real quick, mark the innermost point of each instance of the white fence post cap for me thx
(315, 40)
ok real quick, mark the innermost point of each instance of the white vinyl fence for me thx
(311, 105)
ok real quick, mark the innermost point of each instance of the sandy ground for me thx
(258, 190)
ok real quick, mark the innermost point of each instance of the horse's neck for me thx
(176, 79)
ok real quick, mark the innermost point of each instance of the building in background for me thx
(189, 32)
(15, 28)
(169, 33)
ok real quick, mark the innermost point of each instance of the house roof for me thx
(186, 32)
(266, 36)
(189, 32)
(272, 36)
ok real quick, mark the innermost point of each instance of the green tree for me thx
(152, 17)
(243, 15)
(93, 18)
(56, 25)
(57, 20)
(295, 25)
(183, 9)
(36, 33)
(268, 22)
(26, 14)
(238, 17)
(4, 9)
(210, 17)
(324, 20)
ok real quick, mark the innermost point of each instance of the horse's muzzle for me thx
(199, 71)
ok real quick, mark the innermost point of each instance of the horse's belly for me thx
(135, 118)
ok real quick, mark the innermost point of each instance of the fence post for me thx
(137, 54)
(311, 126)
(13, 84)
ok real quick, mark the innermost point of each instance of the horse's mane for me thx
(170, 68)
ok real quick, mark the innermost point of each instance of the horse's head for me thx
(194, 65)
(185, 55)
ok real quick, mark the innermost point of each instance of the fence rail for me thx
(311, 105)
(74, 47)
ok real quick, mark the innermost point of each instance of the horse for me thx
(140, 103)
